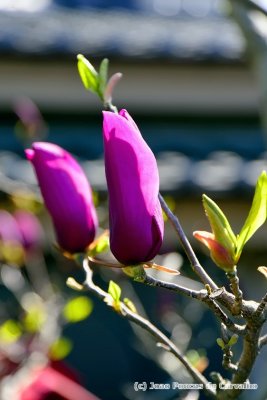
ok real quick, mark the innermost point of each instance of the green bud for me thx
(130, 305)
(103, 77)
(222, 241)
(114, 290)
(222, 257)
(136, 272)
(220, 343)
(88, 74)
(233, 340)
(219, 224)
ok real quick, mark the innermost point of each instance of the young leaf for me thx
(130, 304)
(110, 86)
(60, 349)
(233, 340)
(103, 76)
(34, 318)
(100, 245)
(115, 291)
(78, 309)
(220, 343)
(10, 331)
(257, 214)
(88, 74)
(219, 224)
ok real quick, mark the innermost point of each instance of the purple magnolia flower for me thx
(67, 195)
(136, 221)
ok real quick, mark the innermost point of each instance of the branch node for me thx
(237, 292)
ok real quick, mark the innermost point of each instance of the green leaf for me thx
(219, 223)
(233, 340)
(220, 343)
(257, 214)
(193, 356)
(88, 74)
(103, 76)
(130, 304)
(60, 349)
(78, 309)
(115, 291)
(101, 245)
(10, 331)
(136, 272)
(34, 318)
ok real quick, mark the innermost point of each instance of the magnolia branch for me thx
(228, 300)
(234, 285)
(195, 294)
(205, 278)
(146, 325)
(260, 312)
(201, 295)
(262, 341)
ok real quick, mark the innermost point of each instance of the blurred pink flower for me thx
(9, 230)
(50, 383)
(30, 229)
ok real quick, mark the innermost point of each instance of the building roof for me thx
(220, 174)
(61, 31)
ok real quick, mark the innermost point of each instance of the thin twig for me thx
(220, 314)
(225, 298)
(247, 358)
(261, 308)
(205, 278)
(195, 294)
(262, 341)
(149, 327)
(201, 295)
(227, 360)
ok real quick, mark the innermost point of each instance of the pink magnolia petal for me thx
(67, 195)
(136, 223)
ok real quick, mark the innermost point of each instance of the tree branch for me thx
(201, 295)
(259, 313)
(195, 294)
(149, 327)
(234, 285)
(262, 341)
(199, 270)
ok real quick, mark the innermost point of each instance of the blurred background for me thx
(194, 80)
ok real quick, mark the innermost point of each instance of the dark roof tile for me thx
(120, 33)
